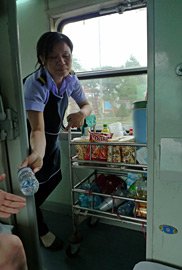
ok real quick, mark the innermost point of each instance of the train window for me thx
(110, 59)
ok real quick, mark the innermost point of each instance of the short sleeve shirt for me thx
(36, 92)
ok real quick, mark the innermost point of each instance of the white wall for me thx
(164, 131)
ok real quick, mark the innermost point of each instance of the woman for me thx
(12, 254)
(46, 98)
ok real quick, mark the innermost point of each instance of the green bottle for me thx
(85, 128)
(105, 129)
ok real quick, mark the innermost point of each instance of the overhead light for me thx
(22, 1)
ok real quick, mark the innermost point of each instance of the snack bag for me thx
(114, 153)
(99, 152)
(128, 154)
(81, 149)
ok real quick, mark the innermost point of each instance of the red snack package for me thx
(100, 137)
(99, 152)
(108, 183)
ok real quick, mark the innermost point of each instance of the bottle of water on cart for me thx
(29, 184)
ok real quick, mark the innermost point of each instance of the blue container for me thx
(140, 121)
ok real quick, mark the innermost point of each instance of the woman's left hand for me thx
(75, 120)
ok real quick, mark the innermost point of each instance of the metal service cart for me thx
(86, 198)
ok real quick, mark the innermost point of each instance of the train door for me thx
(13, 137)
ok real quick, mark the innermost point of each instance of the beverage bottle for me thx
(126, 209)
(85, 129)
(27, 181)
(110, 202)
(94, 201)
(131, 131)
(83, 200)
(141, 189)
(105, 129)
(90, 201)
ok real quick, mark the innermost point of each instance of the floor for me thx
(103, 246)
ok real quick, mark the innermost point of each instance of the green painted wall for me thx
(32, 21)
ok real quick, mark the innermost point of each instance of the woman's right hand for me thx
(34, 161)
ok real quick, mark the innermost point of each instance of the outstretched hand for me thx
(10, 203)
(34, 161)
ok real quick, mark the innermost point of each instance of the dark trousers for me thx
(44, 191)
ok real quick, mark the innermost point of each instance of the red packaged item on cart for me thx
(100, 137)
(99, 152)
(108, 183)
(81, 149)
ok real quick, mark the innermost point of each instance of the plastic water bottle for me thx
(110, 202)
(83, 200)
(89, 201)
(126, 209)
(27, 181)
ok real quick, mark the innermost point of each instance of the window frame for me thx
(99, 74)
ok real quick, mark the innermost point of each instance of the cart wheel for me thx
(93, 221)
(74, 244)
(73, 250)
